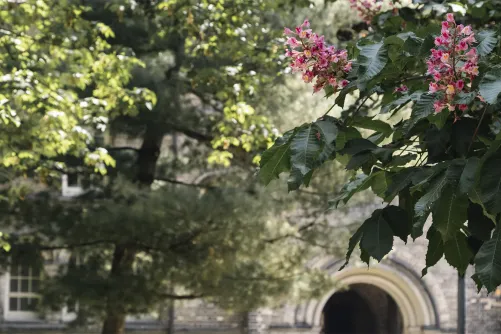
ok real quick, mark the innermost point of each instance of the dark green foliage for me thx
(444, 164)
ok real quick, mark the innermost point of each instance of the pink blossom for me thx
(401, 89)
(438, 106)
(317, 61)
(462, 46)
(308, 76)
(472, 53)
(433, 87)
(367, 9)
(347, 67)
(305, 33)
(445, 58)
(466, 31)
(453, 64)
(292, 41)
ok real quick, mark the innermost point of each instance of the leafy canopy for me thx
(425, 129)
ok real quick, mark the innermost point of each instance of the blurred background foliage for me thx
(161, 113)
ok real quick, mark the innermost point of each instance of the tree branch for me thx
(122, 148)
(181, 297)
(302, 228)
(190, 133)
(194, 185)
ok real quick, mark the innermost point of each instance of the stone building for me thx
(387, 298)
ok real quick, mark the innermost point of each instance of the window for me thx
(24, 288)
(73, 180)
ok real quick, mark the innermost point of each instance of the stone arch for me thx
(415, 304)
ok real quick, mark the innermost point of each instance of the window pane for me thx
(13, 304)
(25, 285)
(28, 304)
(25, 271)
(14, 285)
(72, 179)
(24, 304)
(32, 304)
(35, 286)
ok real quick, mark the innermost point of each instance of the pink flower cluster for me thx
(453, 64)
(366, 9)
(315, 59)
(401, 89)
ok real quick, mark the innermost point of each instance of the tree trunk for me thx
(123, 260)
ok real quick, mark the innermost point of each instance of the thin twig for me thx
(476, 130)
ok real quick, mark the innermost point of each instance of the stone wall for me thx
(483, 313)
(198, 314)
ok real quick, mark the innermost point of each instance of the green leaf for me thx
(379, 184)
(490, 85)
(345, 91)
(296, 179)
(398, 220)
(421, 109)
(457, 252)
(372, 59)
(426, 202)
(358, 145)
(394, 40)
(435, 249)
(468, 177)
(399, 181)
(479, 225)
(449, 214)
(427, 45)
(487, 41)
(276, 159)
(360, 159)
(364, 256)
(413, 45)
(418, 225)
(346, 135)
(377, 239)
(404, 99)
(369, 123)
(354, 240)
(478, 282)
(359, 183)
(328, 132)
(465, 98)
(305, 148)
(488, 261)
(450, 176)
(489, 184)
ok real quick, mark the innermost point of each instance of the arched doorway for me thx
(363, 309)
(414, 303)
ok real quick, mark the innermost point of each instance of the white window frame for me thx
(70, 191)
(19, 315)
